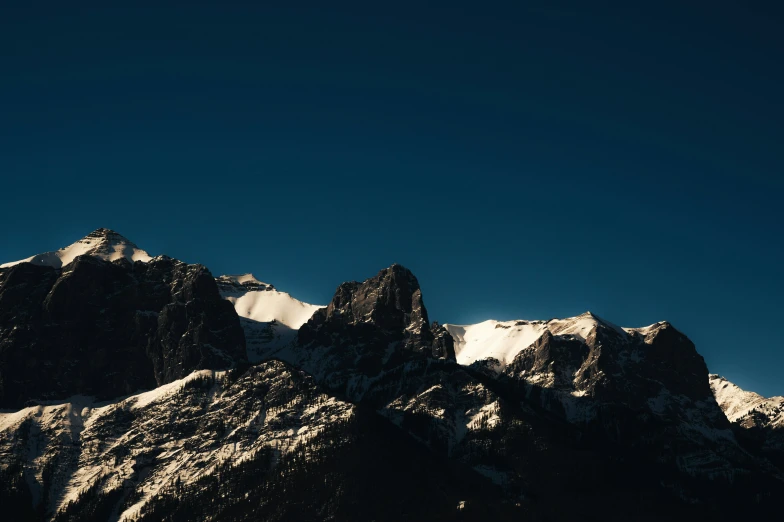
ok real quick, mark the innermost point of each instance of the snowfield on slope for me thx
(267, 304)
(269, 318)
(493, 339)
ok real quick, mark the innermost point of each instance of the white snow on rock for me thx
(103, 243)
(737, 403)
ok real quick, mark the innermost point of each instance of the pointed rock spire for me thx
(387, 308)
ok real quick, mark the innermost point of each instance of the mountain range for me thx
(140, 388)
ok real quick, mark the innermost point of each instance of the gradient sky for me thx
(533, 161)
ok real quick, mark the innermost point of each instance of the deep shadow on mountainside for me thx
(366, 415)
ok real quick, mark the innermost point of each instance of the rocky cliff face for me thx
(656, 370)
(107, 329)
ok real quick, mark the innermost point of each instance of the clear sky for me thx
(525, 160)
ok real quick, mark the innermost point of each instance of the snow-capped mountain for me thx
(102, 243)
(363, 409)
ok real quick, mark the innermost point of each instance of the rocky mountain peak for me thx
(391, 300)
(106, 233)
(242, 283)
(369, 328)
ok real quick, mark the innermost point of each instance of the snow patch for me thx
(271, 305)
(487, 415)
(269, 318)
(493, 339)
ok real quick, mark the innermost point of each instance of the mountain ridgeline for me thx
(143, 388)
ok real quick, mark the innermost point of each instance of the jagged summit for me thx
(105, 232)
(392, 300)
(102, 243)
(242, 282)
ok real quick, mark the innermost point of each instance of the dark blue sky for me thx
(526, 162)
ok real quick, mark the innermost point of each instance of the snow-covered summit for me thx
(102, 243)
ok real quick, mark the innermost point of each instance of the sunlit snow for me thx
(108, 246)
